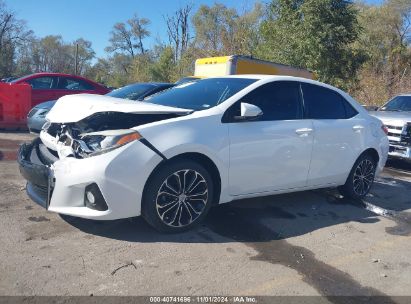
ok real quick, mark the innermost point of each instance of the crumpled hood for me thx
(73, 108)
(394, 118)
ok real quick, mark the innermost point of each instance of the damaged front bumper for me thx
(38, 175)
(115, 178)
(89, 161)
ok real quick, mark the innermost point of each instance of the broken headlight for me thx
(96, 143)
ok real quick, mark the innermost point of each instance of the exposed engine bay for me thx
(95, 134)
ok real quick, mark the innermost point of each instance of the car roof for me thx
(280, 77)
(51, 74)
(270, 77)
(57, 75)
(161, 83)
(157, 84)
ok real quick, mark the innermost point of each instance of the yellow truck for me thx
(237, 64)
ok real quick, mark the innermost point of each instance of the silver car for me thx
(396, 116)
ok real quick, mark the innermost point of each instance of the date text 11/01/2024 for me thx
(203, 299)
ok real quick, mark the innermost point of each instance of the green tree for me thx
(247, 34)
(51, 54)
(220, 30)
(140, 70)
(214, 28)
(101, 71)
(314, 34)
(85, 54)
(165, 68)
(121, 68)
(386, 40)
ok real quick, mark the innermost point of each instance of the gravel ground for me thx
(307, 243)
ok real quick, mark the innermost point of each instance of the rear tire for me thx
(177, 196)
(361, 178)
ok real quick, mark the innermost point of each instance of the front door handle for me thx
(304, 131)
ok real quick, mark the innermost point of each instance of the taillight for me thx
(385, 129)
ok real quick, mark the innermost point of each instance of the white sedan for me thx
(174, 155)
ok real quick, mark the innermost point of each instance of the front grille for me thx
(394, 134)
(399, 135)
(394, 127)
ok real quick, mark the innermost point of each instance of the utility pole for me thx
(76, 61)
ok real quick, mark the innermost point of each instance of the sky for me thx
(94, 19)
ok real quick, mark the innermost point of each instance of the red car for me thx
(51, 86)
(18, 96)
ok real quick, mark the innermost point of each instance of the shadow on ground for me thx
(265, 224)
(285, 216)
(399, 165)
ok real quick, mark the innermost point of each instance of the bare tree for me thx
(178, 30)
(13, 33)
(128, 37)
(121, 40)
(139, 30)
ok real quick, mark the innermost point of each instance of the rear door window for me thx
(66, 83)
(323, 103)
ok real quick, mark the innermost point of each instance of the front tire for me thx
(361, 178)
(177, 196)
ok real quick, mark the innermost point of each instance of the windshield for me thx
(399, 103)
(132, 91)
(202, 94)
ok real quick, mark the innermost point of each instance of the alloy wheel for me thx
(363, 177)
(181, 198)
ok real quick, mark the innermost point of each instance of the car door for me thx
(71, 85)
(273, 152)
(338, 134)
(43, 89)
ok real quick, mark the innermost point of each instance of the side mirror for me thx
(249, 112)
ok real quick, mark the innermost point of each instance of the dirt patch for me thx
(272, 248)
(8, 149)
(38, 219)
(402, 219)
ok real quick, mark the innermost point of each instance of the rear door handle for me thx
(303, 131)
(358, 128)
